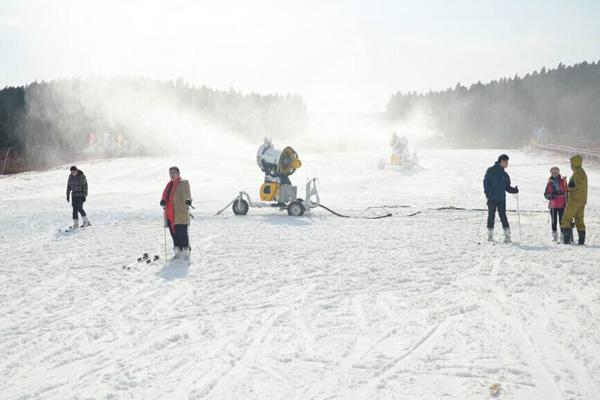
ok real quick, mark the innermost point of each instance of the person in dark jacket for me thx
(77, 191)
(556, 194)
(495, 185)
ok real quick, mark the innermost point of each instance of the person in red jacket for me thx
(556, 194)
(175, 201)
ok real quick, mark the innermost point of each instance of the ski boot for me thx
(554, 236)
(75, 225)
(490, 234)
(567, 232)
(581, 237)
(185, 254)
(86, 222)
(507, 235)
(177, 254)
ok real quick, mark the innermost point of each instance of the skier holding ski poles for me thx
(556, 194)
(495, 185)
(175, 201)
(77, 191)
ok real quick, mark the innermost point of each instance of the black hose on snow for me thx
(353, 216)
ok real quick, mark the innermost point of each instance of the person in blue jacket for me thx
(495, 185)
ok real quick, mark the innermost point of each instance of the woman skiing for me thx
(556, 194)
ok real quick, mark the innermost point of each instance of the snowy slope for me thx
(317, 307)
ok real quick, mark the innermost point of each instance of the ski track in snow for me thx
(316, 307)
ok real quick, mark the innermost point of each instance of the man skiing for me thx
(495, 185)
(556, 194)
(576, 201)
(77, 191)
(175, 201)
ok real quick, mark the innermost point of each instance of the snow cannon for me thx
(277, 190)
(277, 165)
(401, 155)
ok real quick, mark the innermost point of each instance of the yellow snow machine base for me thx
(269, 191)
(395, 159)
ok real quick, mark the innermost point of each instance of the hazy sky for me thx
(337, 54)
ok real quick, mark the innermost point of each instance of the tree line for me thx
(559, 105)
(60, 118)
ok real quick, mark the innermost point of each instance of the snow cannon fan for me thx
(277, 190)
(277, 165)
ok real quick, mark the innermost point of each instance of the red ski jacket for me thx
(556, 192)
(167, 196)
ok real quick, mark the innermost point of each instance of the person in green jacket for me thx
(576, 201)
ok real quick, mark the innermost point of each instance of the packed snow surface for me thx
(316, 307)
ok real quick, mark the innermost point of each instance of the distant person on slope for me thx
(576, 201)
(556, 194)
(175, 201)
(495, 185)
(77, 191)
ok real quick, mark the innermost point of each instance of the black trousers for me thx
(77, 203)
(180, 236)
(557, 214)
(501, 207)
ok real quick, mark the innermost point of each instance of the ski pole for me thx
(519, 217)
(165, 232)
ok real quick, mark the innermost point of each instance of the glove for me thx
(548, 196)
(67, 198)
(83, 201)
(571, 183)
(188, 202)
(163, 203)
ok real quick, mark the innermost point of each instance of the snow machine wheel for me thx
(295, 209)
(240, 207)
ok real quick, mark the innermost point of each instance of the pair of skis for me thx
(495, 242)
(143, 259)
(70, 229)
